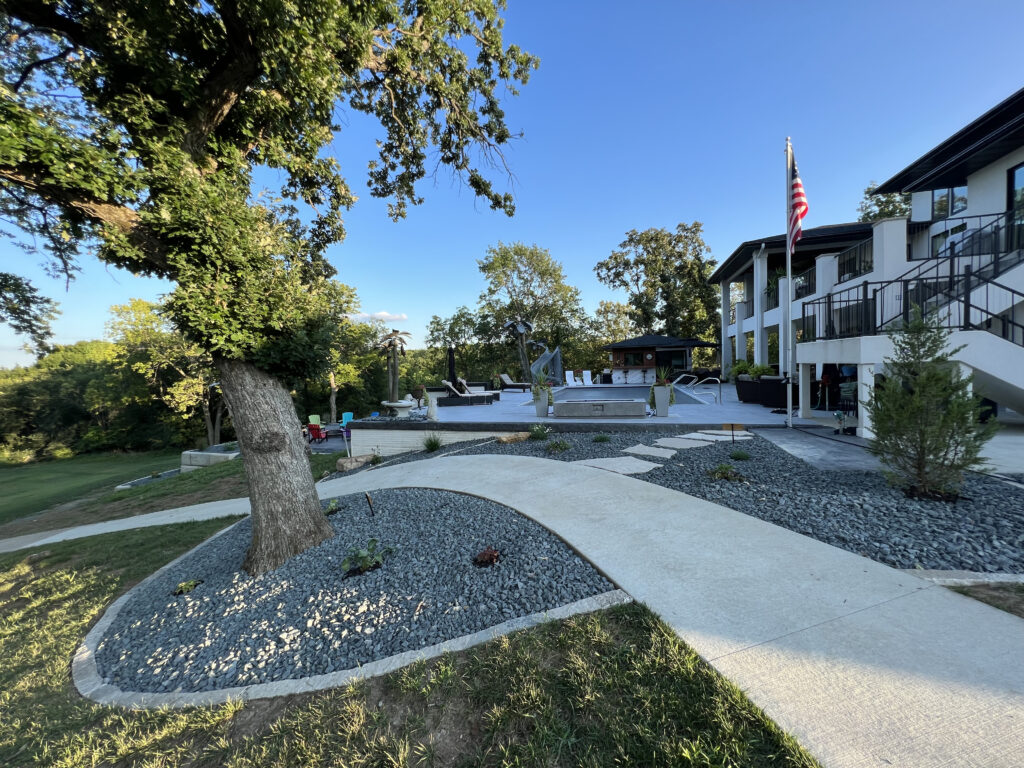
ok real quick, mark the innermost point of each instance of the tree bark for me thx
(286, 514)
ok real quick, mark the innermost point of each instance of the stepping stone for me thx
(728, 432)
(714, 438)
(623, 465)
(679, 443)
(650, 450)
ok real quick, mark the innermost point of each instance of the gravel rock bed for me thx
(306, 618)
(857, 511)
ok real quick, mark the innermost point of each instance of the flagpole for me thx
(787, 308)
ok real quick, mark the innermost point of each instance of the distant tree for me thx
(524, 282)
(181, 373)
(135, 129)
(353, 358)
(666, 276)
(925, 419)
(26, 311)
(613, 322)
(888, 206)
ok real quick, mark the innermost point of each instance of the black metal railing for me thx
(748, 308)
(856, 260)
(985, 253)
(951, 230)
(771, 296)
(805, 284)
(967, 302)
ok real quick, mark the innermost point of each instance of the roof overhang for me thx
(992, 136)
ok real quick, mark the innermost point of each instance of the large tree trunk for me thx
(286, 514)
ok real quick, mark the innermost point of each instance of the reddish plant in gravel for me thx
(487, 557)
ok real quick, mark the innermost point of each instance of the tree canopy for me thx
(666, 277)
(888, 206)
(133, 129)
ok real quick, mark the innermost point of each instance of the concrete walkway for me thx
(864, 664)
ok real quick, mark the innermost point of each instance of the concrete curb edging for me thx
(965, 578)
(90, 685)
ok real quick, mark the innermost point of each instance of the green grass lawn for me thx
(31, 488)
(610, 688)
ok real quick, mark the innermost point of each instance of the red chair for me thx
(316, 433)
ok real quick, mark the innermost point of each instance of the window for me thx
(947, 202)
(632, 358)
(939, 240)
(959, 197)
(1015, 191)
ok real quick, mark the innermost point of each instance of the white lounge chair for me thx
(588, 380)
(570, 380)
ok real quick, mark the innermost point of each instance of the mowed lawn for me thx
(31, 488)
(39, 487)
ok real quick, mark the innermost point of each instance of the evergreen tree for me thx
(926, 421)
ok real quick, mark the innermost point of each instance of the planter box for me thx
(773, 392)
(747, 389)
(215, 454)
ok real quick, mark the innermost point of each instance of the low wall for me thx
(388, 442)
(195, 459)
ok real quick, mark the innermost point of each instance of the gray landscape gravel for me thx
(855, 510)
(308, 618)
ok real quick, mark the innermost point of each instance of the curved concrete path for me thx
(864, 664)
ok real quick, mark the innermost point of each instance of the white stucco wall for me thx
(986, 189)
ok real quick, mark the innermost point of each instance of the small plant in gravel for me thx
(486, 557)
(332, 507)
(187, 586)
(557, 446)
(739, 455)
(432, 442)
(376, 458)
(602, 439)
(725, 472)
(539, 432)
(368, 558)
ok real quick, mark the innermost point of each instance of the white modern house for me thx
(959, 256)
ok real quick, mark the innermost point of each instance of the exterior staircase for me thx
(958, 289)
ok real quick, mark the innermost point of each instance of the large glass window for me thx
(940, 203)
(959, 197)
(1015, 204)
(632, 358)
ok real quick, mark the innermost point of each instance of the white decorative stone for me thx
(623, 465)
(679, 443)
(650, 450)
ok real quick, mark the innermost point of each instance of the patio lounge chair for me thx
(507, 383)
(588, 381)
(317, 434)
(459, 398)
(570, 379)
(478, 388)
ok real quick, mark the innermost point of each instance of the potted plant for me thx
(541, 397)
(662, 390)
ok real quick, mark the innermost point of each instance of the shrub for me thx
(739, 455)
(602, 439)
(539, 432)
(331, 507)
(725, 472)
(757, 371)
(432, 442)
(557, 446)
(361, 560)
(187, 586)
(376, 458)
(738, 368)
(926, 421)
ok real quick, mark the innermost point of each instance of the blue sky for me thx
(647, 114)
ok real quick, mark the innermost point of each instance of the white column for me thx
(865, 384)
(785, 326)
(760, 283)
(806, 371)
(726, 356)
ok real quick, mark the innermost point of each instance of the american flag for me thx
(797, 204)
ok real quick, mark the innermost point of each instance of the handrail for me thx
(708, 380)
